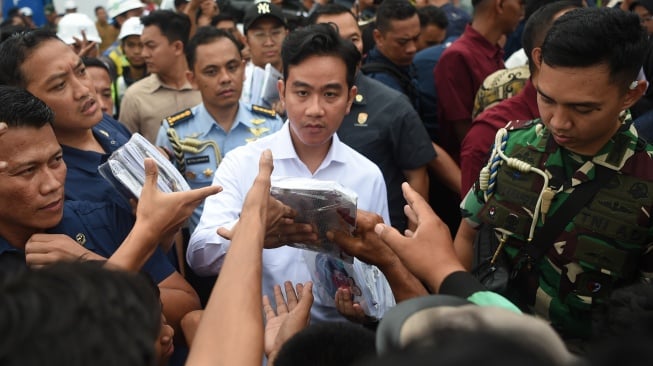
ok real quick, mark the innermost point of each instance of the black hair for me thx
(319, 40)
(16, 49)
(431, 14)
(539, 23)
(19, 108)
(221, 18)
(593, 36)
(97, 8)
(206, 35)
(174, 26)
(328, 9)
(390, 10)
(9, 30)
(327, 344)
(78, 313)
(94, 62)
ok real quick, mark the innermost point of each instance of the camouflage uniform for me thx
(607, 244)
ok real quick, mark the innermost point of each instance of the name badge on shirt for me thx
(197, 160)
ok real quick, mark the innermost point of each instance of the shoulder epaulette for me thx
(179, 117)
(521, 124)
(263, 110)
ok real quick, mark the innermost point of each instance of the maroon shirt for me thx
(458, 76)
(478, 141)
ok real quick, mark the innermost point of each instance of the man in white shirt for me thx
(317, 90)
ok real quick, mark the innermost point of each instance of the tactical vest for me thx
(609, 234)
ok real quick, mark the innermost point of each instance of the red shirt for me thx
(458, 76)
(478, 141)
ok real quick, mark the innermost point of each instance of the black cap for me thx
(648, 4)
(260, 10)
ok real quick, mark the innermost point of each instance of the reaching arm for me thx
(464, 243)
(446, 169)
(231, 330)
(427, 252)
(365, 245)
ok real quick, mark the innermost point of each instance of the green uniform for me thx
(607, 244)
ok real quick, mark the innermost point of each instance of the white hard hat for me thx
(26, 11)
(117, 7)
(72, 25)
(131, 27)
(70, 5)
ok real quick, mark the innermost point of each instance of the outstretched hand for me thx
(165, 212)
(428, 252)
(291, 316)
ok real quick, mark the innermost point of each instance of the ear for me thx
(178, 47)
(536, 58)
(633, 95)
(352, 94)
(378, 37)
(498, 5)
(281, 87)
(190, 76)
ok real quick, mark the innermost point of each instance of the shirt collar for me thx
(6, 247)
(205, 122)
(153, 83)
(486, 48)
(282, 147)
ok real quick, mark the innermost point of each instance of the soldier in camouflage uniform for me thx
(588, 69)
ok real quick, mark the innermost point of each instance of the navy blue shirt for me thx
(424, 62)
(100, 227)
(83, 181)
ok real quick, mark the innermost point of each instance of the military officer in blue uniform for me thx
(197, 139)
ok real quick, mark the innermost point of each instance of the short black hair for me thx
(319, 40)
(174, 26)
(206, 35)
(98, 8)
(432, 14)
(78, 313)
(390, 10)
(221, 18)
(539, 23)
(19, 108)
(16, 49)
(8, 30)
(327, 344)
(593, 36)
(328, 9)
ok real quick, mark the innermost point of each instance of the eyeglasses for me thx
(262, 36)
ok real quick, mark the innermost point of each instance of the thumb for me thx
(391, 237)
(265, 164)
(151, 173)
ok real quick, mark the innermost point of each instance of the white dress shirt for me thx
(236, 174)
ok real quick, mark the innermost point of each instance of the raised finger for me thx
(281, 302)
(267, 308)
(291, 296)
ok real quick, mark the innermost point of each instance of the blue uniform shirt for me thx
(83, 181)
(101, 227)
(204, 142)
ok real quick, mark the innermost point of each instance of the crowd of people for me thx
(499, 158)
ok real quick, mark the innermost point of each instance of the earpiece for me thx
(633, 85)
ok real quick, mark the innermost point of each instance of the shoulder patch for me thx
(263, 110)
(521, 124)
(179, 117)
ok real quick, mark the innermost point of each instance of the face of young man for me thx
(133, 50)
(399, 43)
(347, 27)
(265, 37)
(63, 83)
(580, 106)
(218, 73)
(32, 185)
(645, 18)
(158, 52)
(317, 98)
(102, 84)
(512, 11)
(431, 35)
